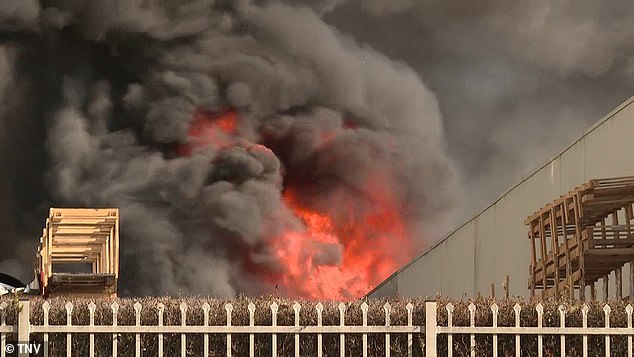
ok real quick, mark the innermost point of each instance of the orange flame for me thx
(343, 249)
(371, 241)
(209, 129)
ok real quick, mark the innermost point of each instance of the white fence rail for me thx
(431, 331)
(539, 330)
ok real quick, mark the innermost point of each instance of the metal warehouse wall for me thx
(494, 243)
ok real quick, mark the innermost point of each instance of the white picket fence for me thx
(562, 331)
(431, 330)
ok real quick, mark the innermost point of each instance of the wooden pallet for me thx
(582, 237)
(81, 284)
(75, 236)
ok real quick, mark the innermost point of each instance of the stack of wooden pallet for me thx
(74, 239)
(582, 237)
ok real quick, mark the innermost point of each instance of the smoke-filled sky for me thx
(305, 148)
(516, 80)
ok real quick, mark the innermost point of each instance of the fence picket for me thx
(251, 309)
(517, 308)
(584, 319)
(115, 309)
(364, 319)
(274, 308)
(183, 308)
(628, 311)
(206, 308)
(24, 322)
(410, 340)
(449, 324)
(3, 322)
(494, 311)
(540, 320)
(296, 308)
(91, 310)
(161, 310)
(432, 329)
(45, 309)
(228, 308)
(607, 310)
(320, 308)
(342, 337)
(472, 309)
(69, 322)
(137, 321)
(562, 324)
(388, 346)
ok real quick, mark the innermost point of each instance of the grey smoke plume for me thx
(516, 81)
(109, 102)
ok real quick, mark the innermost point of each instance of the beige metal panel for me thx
(573, 167)
(499, 243)
(389, 288)
(543, 186)
(610, 146)
(458, 265)
(610, 152)
(424, 278)
(484, 253)
(512, 247)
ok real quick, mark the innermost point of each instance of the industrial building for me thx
(479, 256)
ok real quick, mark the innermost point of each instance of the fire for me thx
(208, 128)
(345, 245)
(372, 242)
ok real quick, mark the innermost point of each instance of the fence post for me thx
(410, 340)
(24, 324)
(296, 307)
(183, 308)
(342, 336)
(229, 309)
(115, 337)
(430, 329)
(206, 308)
(364, 311)
(137, 337)
(3, 322)
(472, 339)
(388, 347)
(251, 308)
(320, 308)
(274, 308)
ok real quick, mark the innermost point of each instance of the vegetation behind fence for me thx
(397, 311)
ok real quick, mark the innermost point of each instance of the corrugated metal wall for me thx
(494, 243)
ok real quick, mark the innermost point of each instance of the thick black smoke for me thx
(97, 97)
